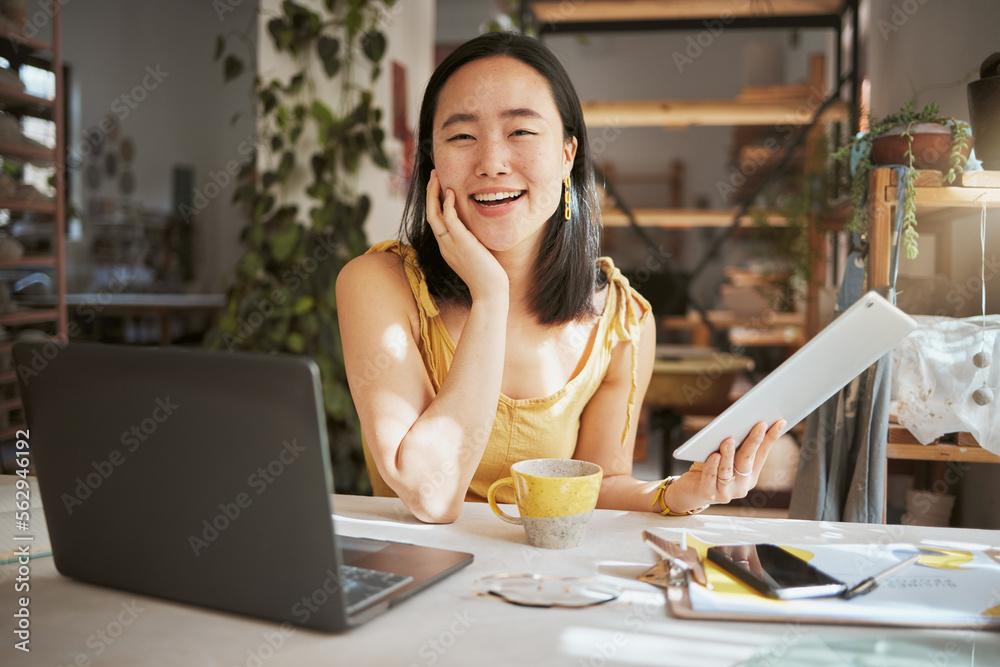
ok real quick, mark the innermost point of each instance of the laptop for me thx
(204, 478)
(855, 340)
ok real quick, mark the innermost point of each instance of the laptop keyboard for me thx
(363, 587)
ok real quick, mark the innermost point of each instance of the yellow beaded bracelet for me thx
(661, 497)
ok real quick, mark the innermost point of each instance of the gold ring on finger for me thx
(727, 480)
(444, 233)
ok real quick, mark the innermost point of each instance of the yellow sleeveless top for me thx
(527, 428)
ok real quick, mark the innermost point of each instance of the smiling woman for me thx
(520, 341)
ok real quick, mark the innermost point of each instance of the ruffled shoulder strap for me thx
(426, 306)
(628, 311)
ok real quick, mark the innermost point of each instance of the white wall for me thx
(409, 30)
(183, 120)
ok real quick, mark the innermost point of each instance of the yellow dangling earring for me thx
(566, 198)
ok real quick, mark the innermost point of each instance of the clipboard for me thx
(682, 592)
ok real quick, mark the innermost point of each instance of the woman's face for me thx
(498, 143)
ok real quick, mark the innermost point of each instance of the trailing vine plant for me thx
(283, 297)
(860, 149)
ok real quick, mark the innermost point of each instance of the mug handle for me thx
(491, 496)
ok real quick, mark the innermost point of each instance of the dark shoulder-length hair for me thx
(565, 274)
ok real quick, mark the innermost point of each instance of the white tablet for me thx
(819, 369)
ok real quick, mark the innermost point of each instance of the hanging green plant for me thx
(950, 157)
(283, 296)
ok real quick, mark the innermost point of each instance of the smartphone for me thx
(774, 572)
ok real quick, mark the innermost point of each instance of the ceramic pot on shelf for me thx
(931, 146)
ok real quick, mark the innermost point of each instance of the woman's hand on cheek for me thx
(469, 258)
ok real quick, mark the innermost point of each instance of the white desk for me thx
(448, 624)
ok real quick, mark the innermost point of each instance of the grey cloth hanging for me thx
(842, 463)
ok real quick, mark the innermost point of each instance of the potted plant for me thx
(310, 149)
(914, 140)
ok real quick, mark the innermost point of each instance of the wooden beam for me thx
(879, 224)
(683, 218)
(979, 179)
(556, 11)
(940, 452)
(687, 113)
(950, 196)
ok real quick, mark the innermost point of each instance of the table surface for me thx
(448, 624)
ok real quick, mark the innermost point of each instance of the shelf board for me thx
(29, 317)
(17, 100)
(940, 452)
(556, 11)
(28, 262)
(10, 404)
(27, 151)
(28, 42)
(690, 113)
(8, 377)
(33, 206)
(683, 218)
(946, 197)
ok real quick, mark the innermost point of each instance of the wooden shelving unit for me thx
(932, 196)
(19, 50)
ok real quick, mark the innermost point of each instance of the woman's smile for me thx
(499, 145)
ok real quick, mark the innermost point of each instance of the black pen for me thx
(871, 583)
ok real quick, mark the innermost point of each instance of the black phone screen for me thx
(777, 573)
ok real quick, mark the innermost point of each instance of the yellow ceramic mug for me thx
(555, 497)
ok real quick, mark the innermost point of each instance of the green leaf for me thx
(327, 48)
(285, 241)
(319, 166)
(257, 236)
(303, 305)
(362, 210)
(268, 99)
(373, 44)
(281, 33)
(295, 83)
(220, 46)
(295, 342)
(277, 142)
(232, 68)
(250, 265)
(286, 166)
(321, 113)
(331, 5)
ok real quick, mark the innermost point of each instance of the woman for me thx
(495, 334)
